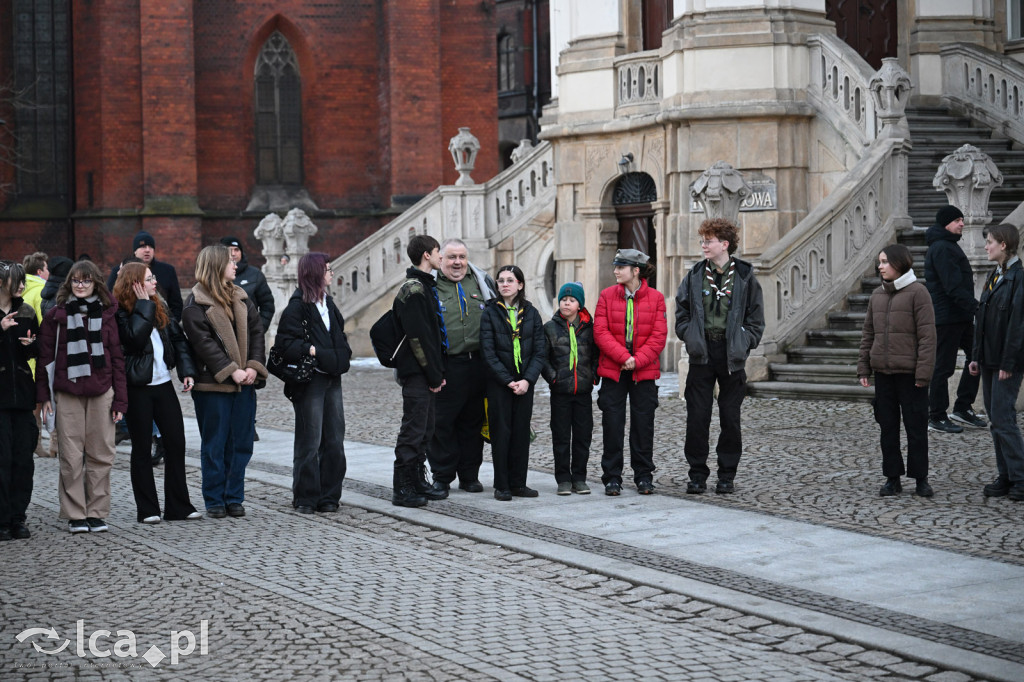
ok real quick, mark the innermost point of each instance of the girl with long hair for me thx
(18, 431)
(312, 325)
(513, 345)
(898, 346)
(226, 337)
(153, 344)
(80, 332)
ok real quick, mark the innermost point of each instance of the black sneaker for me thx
(1016, 492)
(922, 489)
(613, 488)
(944, 426)
(725, 487)
(236, 510)
(524, 492)
(645, 488)
(892, 486)
(998, 488)
(217, 512)
(19, 531)
(5, 534)
(78, 526)
(969, 417)
(96, 525)
(696, 487)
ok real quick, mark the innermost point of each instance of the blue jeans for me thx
(1000, 399)
(227, 429)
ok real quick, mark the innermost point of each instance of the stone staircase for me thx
(825, 366)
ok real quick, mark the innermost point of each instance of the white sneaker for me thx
(151, 520)
(194, 516)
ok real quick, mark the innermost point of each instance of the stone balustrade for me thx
(638, 78)
(839, 88)
(985, 85)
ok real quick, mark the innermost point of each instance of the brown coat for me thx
(899, 332)
(219, 345)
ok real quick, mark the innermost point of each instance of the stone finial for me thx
(890, 91)
(968, 176)
(720, 190)
(270, 232)
(298, 228)
(464, 148)
(520, 152)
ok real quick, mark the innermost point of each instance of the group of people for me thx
(473, 349)
(911, 337)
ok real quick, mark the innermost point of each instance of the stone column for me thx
(968, 176)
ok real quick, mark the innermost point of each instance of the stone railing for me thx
(480, 215)
(811, 269)
(839, 88)
(986, 86)
(638, 78)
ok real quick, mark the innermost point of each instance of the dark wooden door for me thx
(869, 26)
(656, 17)
(636, 231)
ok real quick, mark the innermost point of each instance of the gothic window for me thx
(278, 114)
(506, 62)
(41, 97)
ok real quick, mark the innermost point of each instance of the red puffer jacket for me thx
(649, 331)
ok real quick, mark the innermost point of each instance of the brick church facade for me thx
(192, 120)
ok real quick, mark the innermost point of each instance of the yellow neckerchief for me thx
(516, 322)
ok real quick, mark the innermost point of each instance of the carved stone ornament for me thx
(968, 176)
(270, 232)
(720, 190)
(298, 228)
(464, 148)
(890, 91)
(520, 152)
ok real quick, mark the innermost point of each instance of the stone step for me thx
(821, 355)
(846, 319)
(857, 302)
(808, 391)
(813, 374)
(834, 338)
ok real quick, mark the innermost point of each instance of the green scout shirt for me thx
(714, 316)
(463, 330)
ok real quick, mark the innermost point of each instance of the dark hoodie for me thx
(949, 278)
(59, 269)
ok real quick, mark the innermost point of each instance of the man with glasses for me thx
(720, 318)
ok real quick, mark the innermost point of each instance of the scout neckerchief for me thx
(573, 352)
(516, 323)
(440, 318)
(720, 292)
(629, 316)
(463, 309)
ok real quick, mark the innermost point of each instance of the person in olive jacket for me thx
(153, 344)
(898, 346)
(513, 345)
(19, 330)
(570, 367)
(999, 357)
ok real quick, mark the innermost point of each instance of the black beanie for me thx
(60, 266)
(143, 239)
(946, 215)
(232, 241)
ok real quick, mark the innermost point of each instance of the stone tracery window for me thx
(278, 114)
(506, 62)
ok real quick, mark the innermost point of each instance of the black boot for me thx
(422, 486)
(158, 450)
(405, 494)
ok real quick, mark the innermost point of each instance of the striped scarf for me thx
(85, 336)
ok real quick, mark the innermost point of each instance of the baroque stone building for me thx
(195, 119)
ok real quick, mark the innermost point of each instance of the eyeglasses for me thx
(708, 242)
(151, 279)
(81, 282)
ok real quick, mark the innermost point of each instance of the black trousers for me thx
(418, 419)
(699, 394)
(949, 339)
(457, 448)
(643, 401)
(147, 404)
(318, 460)
(509, 415)
(896, 394)
(18, 435)
(572, 429)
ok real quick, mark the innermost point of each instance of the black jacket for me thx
(255, 284)
(744, 323)
(135, 329)
(166, 279)
(496, 343)
(999, 332)
(17, 387)
(48, 296)
(949, 278)
(416, 312)
(556, 370)
(333, 353)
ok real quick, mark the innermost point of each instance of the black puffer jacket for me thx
(333, 353)
(496, 343)
(999, 333)
(17, 387)
(136, 329)
(556, 370)
(255, 284)
(949, 278)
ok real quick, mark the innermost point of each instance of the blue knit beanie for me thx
(574, 289)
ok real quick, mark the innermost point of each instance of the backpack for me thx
(386, 340)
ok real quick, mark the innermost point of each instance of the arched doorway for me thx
(634, 193)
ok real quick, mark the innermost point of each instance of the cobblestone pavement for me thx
(363, 596)
(812, 461)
